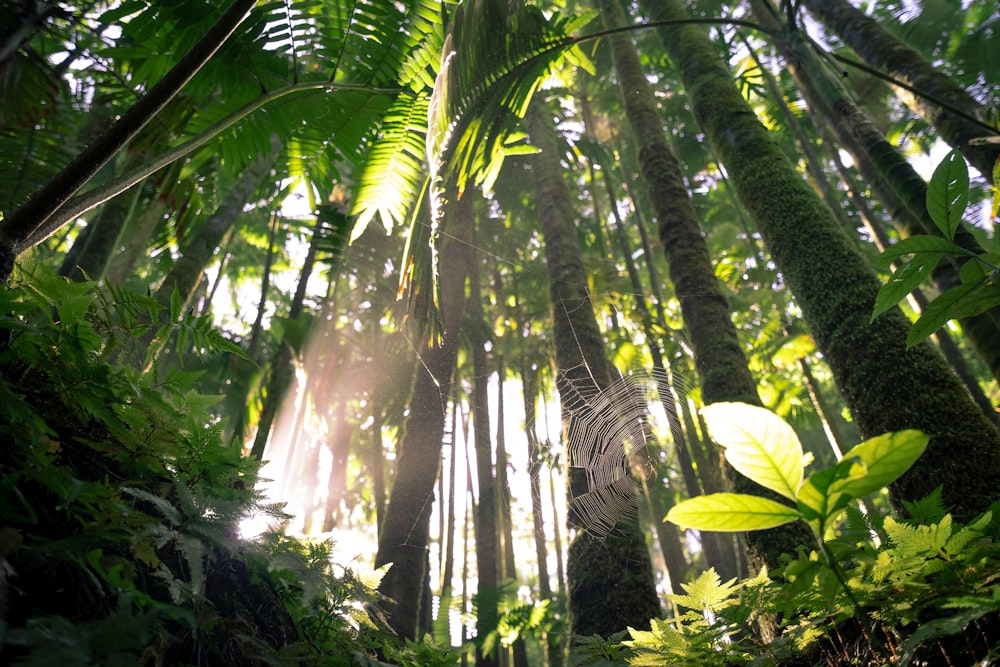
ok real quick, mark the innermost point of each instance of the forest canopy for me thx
(419, 332)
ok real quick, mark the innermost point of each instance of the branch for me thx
(24, 222)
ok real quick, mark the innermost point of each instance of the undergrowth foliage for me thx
(922, 590)
(120, 507)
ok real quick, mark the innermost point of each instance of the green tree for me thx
(887, 387)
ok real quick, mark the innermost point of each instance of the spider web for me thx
(609, 429)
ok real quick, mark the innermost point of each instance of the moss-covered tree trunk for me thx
(719, 358)
(938, 95)
(891, 177)
(403, 540)
(611, 585)
(886, 386)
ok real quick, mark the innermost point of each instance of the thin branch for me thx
(24, 222)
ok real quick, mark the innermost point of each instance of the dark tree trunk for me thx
(611, 584)
(722, 367)
(404, 536)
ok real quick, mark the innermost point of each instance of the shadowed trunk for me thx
(404, 535)
(719, 359)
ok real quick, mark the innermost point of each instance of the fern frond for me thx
(392, 176)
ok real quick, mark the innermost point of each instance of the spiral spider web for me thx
(609, 429)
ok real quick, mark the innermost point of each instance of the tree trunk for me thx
(886, 169)
(719, 359)
(936, 98)
(282, 371)
(188, 270)
(529, 382)
(611, 584)
(886, 386)
(487, 533)
(405, 532)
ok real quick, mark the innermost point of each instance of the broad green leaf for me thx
(730, 512)
(948, 193)
(965, 300)
(885, 457)
(918, 244)
(759, 444)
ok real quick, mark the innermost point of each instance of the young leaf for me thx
(920, 244)
(903, 281)
(730, 512)
(886, 457)
(821, 498)
(759, 444)
(948, 193)
(965, 300)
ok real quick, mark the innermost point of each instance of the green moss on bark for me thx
(886, 387)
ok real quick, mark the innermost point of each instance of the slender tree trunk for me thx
(529, 382)
(611, 584)
(931, 94)
(282, 371)
(405, 532)
(488, 536)
(719, 359)
(448, 571)
(519, 650)
(265, 288)
(886, 386)
(718, 554)
(188, 270)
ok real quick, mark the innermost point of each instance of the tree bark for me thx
(886, 386)
(719, 359)
(611, 584)
(403, 539)
(890, 175)
(487, 535)
(936, 97)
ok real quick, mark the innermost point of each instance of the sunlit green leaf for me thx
(730, 512)
(758, 444)
(885, 457)
(965, 300)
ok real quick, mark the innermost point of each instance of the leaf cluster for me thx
(919, 255)
(120, 508)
